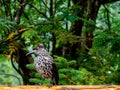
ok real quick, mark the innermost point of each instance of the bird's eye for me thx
(37, 48)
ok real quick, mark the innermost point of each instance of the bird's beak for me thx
(29, 53)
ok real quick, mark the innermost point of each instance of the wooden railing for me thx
(62, 87)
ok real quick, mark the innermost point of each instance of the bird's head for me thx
(36, 50)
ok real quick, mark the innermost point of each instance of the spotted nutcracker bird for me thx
(44, 64)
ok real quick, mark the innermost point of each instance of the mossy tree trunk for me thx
(85, 26)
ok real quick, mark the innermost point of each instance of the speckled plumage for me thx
(44, 64)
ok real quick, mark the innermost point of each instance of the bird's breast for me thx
(44, 67)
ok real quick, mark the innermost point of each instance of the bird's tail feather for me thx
(55, 76)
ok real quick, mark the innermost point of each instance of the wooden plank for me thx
(62, 87)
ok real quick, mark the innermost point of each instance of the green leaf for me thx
(35, 80)
(37, 75)
(72, 18)
(29, 34)
(30, 66)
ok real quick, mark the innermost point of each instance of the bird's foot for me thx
(49, 86)
(40, 84)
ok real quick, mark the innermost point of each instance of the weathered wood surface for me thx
(62, 87)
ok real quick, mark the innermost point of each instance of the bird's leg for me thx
(51, 83)
(40, 84)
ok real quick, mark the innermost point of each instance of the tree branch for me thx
(108, 17)
(107, 1)
(45, 4)
(18, 71)
(51, 8)
(26, 16)
(19, 11)
(43, 14)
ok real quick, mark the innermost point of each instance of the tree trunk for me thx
(85, 26)
(23, 60)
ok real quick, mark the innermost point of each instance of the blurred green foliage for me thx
(8, 76)
(100, 65)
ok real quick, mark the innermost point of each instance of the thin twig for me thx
(45, 4)
(43, 14)
(108, 17)
(18, 71)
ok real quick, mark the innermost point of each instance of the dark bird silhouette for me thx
(45, 65)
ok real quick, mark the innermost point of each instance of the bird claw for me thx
(50, 86)
(40, 84)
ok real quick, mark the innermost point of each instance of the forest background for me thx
(82, 36)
